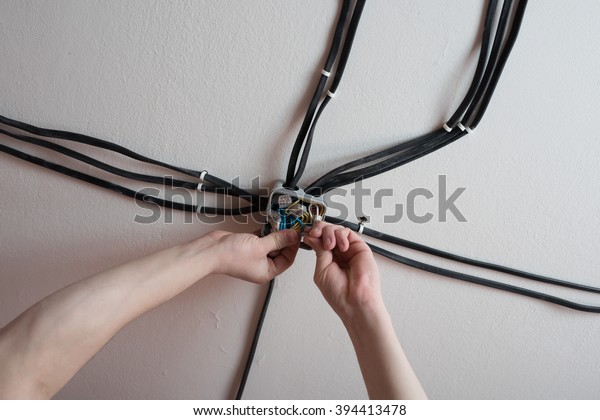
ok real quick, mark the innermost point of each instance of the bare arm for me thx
(348, 277)
(45, 346)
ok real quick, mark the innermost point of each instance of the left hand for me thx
(254, 259)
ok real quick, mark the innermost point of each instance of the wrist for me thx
(202, 255)
(368, 321)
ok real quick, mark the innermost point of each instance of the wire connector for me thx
(292, 209)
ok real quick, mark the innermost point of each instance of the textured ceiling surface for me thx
(222, 86)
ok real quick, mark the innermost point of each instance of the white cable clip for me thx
(325, 73)
(469, 130)
(331, 94)
(313, 211)
(462, 127)
(445, 126)
(202, 175)
(199, 187)
(361, 224)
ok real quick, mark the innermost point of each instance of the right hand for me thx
(252, 258)
(346, 271)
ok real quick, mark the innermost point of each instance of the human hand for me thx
(346, 271)
(249, 257)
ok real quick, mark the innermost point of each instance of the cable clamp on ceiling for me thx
(445, 127)
(325, 73)
(361, 224)
(202, 175)
(462, 127)
(331, 94)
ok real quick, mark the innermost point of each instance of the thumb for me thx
(281, 239)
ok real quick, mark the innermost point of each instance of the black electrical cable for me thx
(484, 282)
(339, 72)
(481, 63)
(254, 345)
(227, 187)
(348, 42)
(101, 165)
(417, 152)
(490, 79)
(92, 141)
(482, 96)
(256, 200)
(499, 38)
(308, 144)
(386, 153)
(125, 191)
(510, 42)
(354, 175)
(458, 258)
(333, 51)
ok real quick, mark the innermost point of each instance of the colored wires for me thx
(289, 211)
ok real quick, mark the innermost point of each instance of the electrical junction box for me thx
(292, 209)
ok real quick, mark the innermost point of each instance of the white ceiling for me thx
(222, 86)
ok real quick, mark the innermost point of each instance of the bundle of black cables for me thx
(318, 103)
(201, 178)
(467, 116)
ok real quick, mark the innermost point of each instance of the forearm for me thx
(53, 339)
(386, 370)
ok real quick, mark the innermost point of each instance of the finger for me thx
(341, 238)
(315, 243)
(317, 229)
(356, 244)
(284, 260)
(324, 257)
(280, 240)
(324, 260)
(328, 237)
(273, 254)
